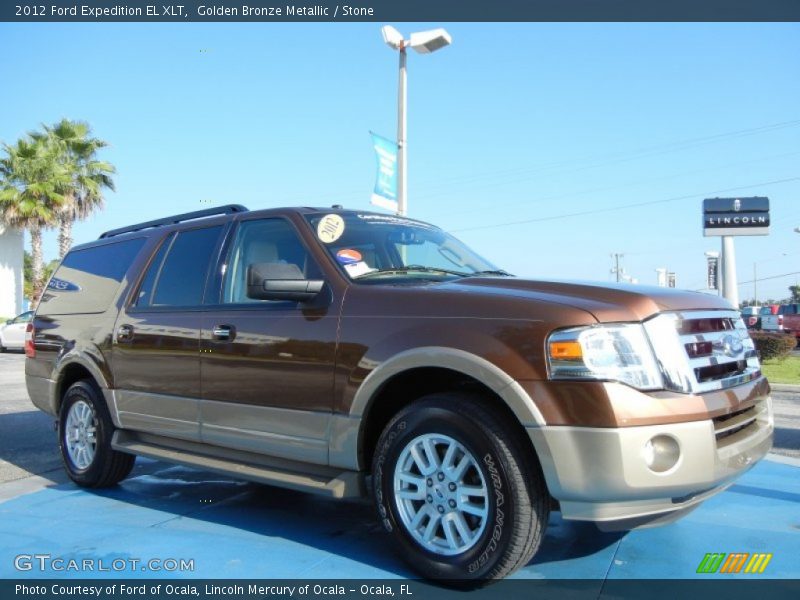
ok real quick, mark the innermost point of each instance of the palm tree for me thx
(83, 194)
(31, 180)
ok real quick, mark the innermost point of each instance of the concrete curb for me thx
(785, 387)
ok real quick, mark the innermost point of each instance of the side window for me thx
(89, 278)
(263, 241)
(177, 274)
(144, 297)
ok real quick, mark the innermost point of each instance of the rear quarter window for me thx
(88, 279)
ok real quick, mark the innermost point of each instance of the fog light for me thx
(661, 453)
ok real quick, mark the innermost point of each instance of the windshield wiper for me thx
(494, 272)
(409, 268)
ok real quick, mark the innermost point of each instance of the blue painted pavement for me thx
(233, 529)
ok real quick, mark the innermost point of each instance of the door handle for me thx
(125, 333)
(224, 332)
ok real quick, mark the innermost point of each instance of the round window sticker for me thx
(330, 228)
(348, 256)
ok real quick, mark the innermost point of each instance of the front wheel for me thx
(84, 432)
(463, 496)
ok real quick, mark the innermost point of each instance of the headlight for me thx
(605, 352)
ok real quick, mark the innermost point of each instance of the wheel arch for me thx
(405, 377)
(75, 368)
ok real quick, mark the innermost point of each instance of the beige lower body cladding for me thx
(601, 474)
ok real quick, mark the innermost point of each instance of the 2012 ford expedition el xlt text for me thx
(347, 353)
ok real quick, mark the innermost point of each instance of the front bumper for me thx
(600, 474)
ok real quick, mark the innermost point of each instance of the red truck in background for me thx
(786, 320)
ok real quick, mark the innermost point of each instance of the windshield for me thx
(370, 247)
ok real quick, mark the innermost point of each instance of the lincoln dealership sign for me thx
(736, 216)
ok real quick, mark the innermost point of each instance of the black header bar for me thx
(187, 11)
(396, 589)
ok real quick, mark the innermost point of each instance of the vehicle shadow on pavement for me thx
(573, 539)
(28, 446)
(344, 528)
(281, 518)
(764, 492)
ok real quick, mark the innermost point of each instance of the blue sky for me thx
(513, 122)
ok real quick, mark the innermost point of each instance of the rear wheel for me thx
(84, 432)
(465, 500)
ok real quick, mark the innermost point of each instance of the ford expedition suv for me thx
(345, 353)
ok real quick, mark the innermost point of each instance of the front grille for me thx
(720, 371)
(731, 424)
(726, 427)
(702, 325)
(702, 351)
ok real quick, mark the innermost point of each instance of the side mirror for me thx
(280, 281)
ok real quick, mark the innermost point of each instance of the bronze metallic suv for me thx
(342, 352)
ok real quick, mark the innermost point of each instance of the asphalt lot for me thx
(235, 529)
(27, 440)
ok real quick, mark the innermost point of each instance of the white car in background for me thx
(12, 332)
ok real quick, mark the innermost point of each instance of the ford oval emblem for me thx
(60, 285)
(730, 346)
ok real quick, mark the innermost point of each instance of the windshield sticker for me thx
(347, 256)
(357, 269)
(330, 228)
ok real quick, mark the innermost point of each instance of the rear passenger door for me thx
(267, 365)
(156, 346)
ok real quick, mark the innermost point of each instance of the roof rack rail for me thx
(198, 214)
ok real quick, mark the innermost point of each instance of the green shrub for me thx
(773, 345)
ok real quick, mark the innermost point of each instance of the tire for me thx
(514, 499)
(84, 417)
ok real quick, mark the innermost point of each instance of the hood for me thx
(607, 302)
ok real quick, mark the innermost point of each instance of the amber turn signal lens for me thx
(565, 351)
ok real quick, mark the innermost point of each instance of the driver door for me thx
(267, 365)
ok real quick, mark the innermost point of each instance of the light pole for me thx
(423, 42)
(616, 269)
(730, 289)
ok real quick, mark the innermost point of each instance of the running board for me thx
(318, 479)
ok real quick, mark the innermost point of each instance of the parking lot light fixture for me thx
(424, 42)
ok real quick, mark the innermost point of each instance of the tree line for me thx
(51, 178)
(794, 290)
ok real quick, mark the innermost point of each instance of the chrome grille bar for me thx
(732, 361)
